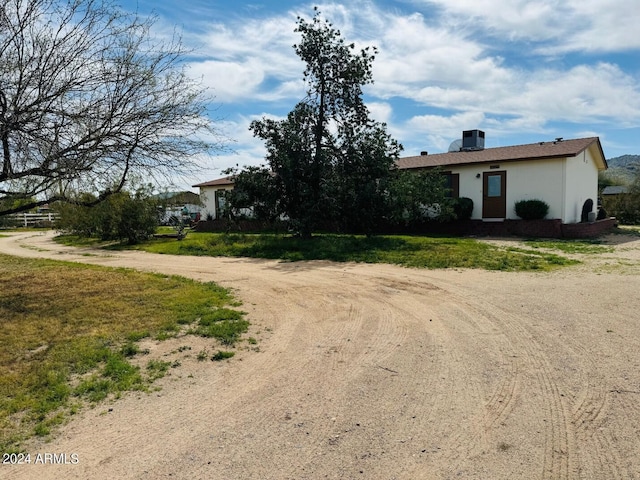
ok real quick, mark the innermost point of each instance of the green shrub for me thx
(219, 315)
(130, 349)
(8, 222)
(222, 355)
(532, 209)
(127, 217)
(227, 331)
(463, 208)
(625, 206)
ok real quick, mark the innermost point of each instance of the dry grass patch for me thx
(69, 332)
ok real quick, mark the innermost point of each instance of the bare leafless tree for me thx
(88, 98)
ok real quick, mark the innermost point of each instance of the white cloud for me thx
(601, 26)
(438, 130)
(230, 81)
(443, 69)
(510, 18)
(380, 111)
(582, 94)
(412, 51)
(446, 126)
(455, 61)
(570, 25)
(244, 60)
(505, 126)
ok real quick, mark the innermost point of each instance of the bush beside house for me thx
(463, 208)
(531, 209)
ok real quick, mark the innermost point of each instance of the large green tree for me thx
(329, 162)
(89, 97)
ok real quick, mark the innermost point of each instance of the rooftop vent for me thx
(424, 153)
(472, 140)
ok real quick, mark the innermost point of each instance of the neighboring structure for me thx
(179, 204)
(563, 173)
(613, 190)
(212, 196)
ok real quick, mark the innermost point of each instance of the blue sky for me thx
(521, 71)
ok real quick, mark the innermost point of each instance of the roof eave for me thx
(484, 162)
(220, 182)
(443, 161)
(604, 160)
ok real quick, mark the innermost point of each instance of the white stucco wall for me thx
(208, 197)
(582, 184)
(537, 179)
(471, 187)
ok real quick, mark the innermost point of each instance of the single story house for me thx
(212, 196)
(562, 173)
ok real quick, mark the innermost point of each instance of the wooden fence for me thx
(33, 219)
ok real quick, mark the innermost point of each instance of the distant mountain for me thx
(623, 169)
(630, 162)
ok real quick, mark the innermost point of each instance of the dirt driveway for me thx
(382, 372)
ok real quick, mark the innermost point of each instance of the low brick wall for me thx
(519, 228)
(588, 230)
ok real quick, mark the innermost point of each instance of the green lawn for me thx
(69, 332)
(410, 251)
(571, 246)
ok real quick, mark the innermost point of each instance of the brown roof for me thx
(533, 151)
(217, 183)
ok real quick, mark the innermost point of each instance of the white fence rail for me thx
(33, 219)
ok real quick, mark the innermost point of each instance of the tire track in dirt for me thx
(355, 334)
(413, 306)
(369, 354)
(473, 438)
(303, 418)
(598, 457)
(498, 406)
(373, 354)
(618, 461)
(607, 461)
(449, 389)
(578, 420)
(576, 443)
(558, 441)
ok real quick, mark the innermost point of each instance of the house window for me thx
(452, 184)
(220, 201)
(494, 186)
